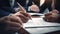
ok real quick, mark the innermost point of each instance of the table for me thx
(39, 26)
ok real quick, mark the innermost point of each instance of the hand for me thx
(51, 16)
(21, 12)
(54, 11)
(13, 23)
(34, 8)
(24, 16)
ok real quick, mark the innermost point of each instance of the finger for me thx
(17, 21)
(48, 14)
(55, 11)
(13, 24)
(29, 16)
(26, 14)
(23, 18)
(14, 18)
(15, 29)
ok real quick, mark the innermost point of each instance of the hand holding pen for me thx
(22, 10)
(24, 16)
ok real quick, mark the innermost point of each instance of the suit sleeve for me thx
(4, 13)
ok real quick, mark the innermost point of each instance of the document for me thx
(39, 22)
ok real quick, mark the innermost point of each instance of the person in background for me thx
(30, 5)
(53, 6)
(33, 6)
(39, 5)
(11, 21)
(46, 4)
(54, 14)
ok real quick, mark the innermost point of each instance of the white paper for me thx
(36, 14)
(39, 22)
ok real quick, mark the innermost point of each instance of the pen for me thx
(33, 3)
(22, 8)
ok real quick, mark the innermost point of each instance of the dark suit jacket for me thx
(5, 9)
(22, 2)
(57, 5)
(4, 6)
(48, 3)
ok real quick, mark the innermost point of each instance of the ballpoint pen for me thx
(22, 8)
